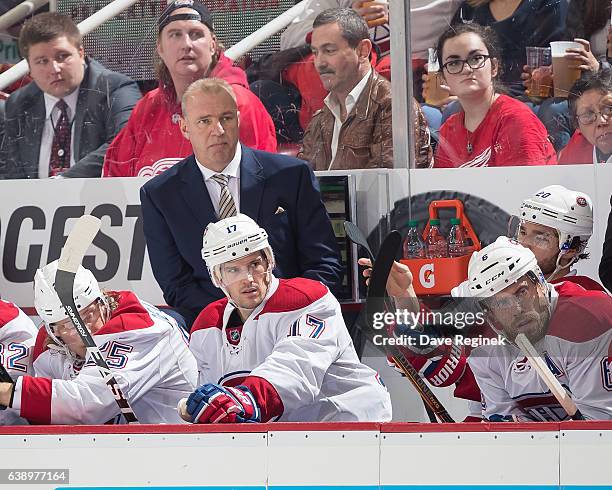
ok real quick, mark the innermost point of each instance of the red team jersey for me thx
(152, 142)
(510, 134)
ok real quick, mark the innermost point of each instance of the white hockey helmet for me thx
(569, 212)
(233, 238)
(500, 265)
(46, 301)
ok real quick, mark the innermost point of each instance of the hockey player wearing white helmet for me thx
(145, 349)
(565, 319)
(571, 327)
(273, 349)
(555, 223)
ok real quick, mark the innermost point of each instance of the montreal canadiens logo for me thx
(581, 201)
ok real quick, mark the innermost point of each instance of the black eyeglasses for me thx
(475, 62)
(590, 117)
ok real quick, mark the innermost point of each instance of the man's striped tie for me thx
(227, 206)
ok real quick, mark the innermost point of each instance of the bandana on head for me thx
(203, 15)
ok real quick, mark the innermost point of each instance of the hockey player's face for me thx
(186, 47)
(246, 280)
(543, 241)
(210, 122)
(520, 308)
(92, 318)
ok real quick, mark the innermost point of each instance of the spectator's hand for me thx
(425, 89)
(526, 75)
(583, 57)
(374, 13)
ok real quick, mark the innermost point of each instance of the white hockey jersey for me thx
(294, 353)
(578, 350)
(146, 351)
(17, 337)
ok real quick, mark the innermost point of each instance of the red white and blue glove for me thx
(215, 404)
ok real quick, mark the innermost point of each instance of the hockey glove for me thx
(214, 404)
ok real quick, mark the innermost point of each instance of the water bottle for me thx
(414, 248)
(456, 239)
(436, 243)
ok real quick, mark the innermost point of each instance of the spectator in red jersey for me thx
(152, 140)
(590, 102)
(493, 129)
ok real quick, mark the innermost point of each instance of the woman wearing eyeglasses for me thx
(590, 104)
(493, 129)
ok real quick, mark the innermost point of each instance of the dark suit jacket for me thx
(176, 209)
(104, 105)
(605, 266)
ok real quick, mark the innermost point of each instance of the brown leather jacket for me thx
(365, 139)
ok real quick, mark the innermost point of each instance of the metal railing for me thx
(112, 9)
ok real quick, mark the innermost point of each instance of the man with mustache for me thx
(353, 129)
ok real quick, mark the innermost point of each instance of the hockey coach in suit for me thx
(222, 178)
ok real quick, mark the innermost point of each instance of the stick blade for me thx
(356, 236)
(77, 243)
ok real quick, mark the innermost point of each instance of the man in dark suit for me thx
(62, 123)
(223, 177)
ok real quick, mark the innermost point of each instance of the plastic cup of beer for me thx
(564, 71)
(433, 93)
(381, 21)
(540, 84)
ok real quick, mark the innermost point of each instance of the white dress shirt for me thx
(232, 170)
(334, 107)
(52, 115)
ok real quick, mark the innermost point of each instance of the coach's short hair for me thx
(45, 27)
(207, 86)
(352, 26)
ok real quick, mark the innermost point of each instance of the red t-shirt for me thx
(577, 151)
(510, 134)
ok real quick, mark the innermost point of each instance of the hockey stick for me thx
(548, 377)
(79, 240)
(355, 235)
(378, 301)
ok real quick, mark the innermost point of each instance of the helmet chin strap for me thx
(558, 267)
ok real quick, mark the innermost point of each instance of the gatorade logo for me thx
(427, 277)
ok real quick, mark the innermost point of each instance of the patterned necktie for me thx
(60, 149)
(227, 206)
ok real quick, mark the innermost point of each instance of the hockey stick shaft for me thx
(72, 254)
(548, 377)
(376, 303)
